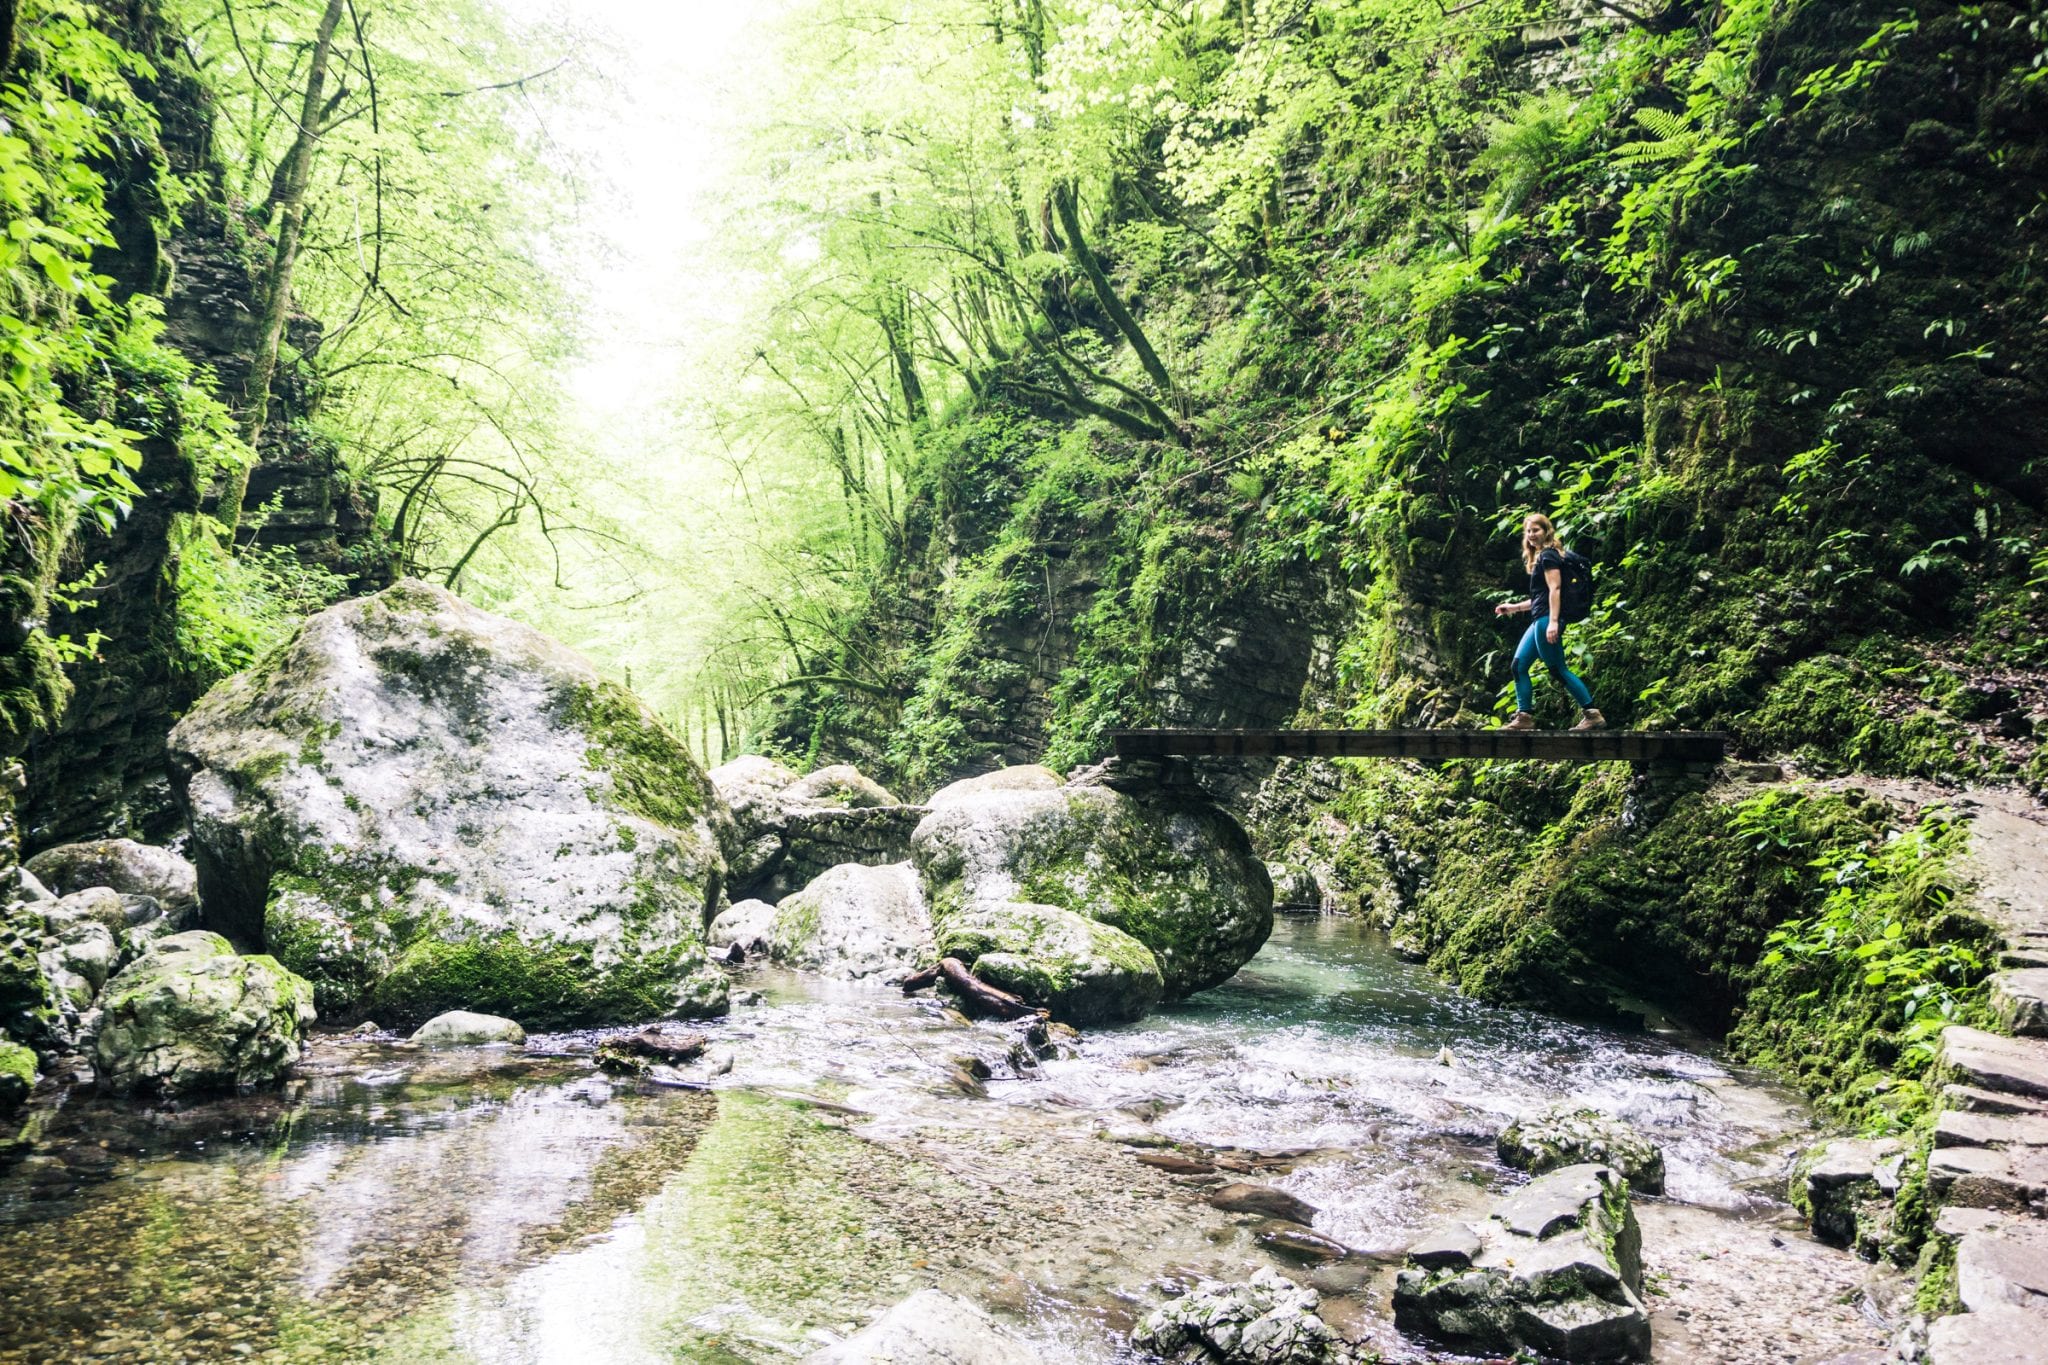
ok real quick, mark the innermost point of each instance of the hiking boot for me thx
(1591, 720)
(1522, 721)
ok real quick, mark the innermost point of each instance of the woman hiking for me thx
(1543, 557)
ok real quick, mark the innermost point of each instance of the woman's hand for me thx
(1503, 609)
(1550, 631)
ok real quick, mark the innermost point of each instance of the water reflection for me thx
(498, 1206)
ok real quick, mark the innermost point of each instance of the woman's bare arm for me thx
(1555, 577)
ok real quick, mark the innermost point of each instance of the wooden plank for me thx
(1541, 746)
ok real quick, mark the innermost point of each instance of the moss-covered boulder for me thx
(193, 1015)
(1177, 875)
(855, 923)
(752, 787)
(17, 1074)
(1082, 970)
(1567, 1134)
(420, 807)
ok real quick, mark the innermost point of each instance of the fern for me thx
(1672, 138)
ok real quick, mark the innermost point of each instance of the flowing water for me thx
(499, 1205)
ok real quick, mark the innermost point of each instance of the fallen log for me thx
(919, 980)
(981, 998)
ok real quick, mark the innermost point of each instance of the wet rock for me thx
(191, 1015)
(855, 923)
(752, 787)
(420, 806)
(1264, 1200)
(1024, 777)
(1295, 1244)
(1566, 1134)
(1558, 1271)
(1836, 1186)
(1173, 872)
(745, 925)
(634, 1054)
(929, 1328)
(17, 1074)
(124, 866)
(1084, 971)
(461, 1028)
(1294, 887)
(1266, 1320)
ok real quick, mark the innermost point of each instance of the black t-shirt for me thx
(1539, 586)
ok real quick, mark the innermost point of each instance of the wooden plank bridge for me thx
(1665, 749)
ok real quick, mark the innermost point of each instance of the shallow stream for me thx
(497, 1205)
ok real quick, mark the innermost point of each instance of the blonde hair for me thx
(1550, 542)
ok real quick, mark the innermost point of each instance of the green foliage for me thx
(238, 602)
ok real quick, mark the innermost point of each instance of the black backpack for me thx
(1576, 585)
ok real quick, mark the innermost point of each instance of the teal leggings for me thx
(1535, 646)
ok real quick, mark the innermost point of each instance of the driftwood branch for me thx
(978, 997)
(919, 980)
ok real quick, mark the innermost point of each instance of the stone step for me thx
(1972, 1100)
(1997, 1336)
(2012, 1181)
(2020, 1000)
(1990, 1061)
(1962, 1129)
(2004, 1264)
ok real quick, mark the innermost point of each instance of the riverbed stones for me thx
(1558, 1271)
(420, 806)
(192, 1015)
(929, 1328)
(1265, 1320)
(855, 923)
(1083, 971)
(1174, 873)
(1567, 1134)
(462, 1028)
(124, 866)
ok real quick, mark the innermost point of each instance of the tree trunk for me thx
(1105, 292)
(288, 194)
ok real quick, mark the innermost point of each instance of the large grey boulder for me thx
(929, 1328)
(1024, 777)
(1556, 1269)
(1177, 875)
(192, 1015)
(746, 925)
(123, 865)
(81, 947)
(1568, 1134)
(1835, 1184)
(841, 786)
(752, 786)
(1082, 970)
(855, 923)
(1266, 1320)
(420, 806)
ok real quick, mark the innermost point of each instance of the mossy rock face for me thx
(1084, 971)
(192, 1015)
(422, 807)
(1179, 877)
(17, 1074)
